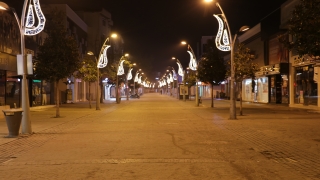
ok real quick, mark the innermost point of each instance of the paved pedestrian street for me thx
(158, 137)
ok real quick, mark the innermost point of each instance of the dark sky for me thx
(153, 29)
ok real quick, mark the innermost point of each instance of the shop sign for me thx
(305, 60)
(268, 70)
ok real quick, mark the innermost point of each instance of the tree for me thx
(189, 79)
(303, 26)
(88, 72)
(58, 57)
(212, 68)
(244, 67)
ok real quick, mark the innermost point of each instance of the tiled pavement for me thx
(160, 137)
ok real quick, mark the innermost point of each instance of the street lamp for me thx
(120, 71)
(193, 65)
(103, 62)
(181, 73)
(223, 44)
(129, 77)
(136, 79)
(26, 27)
(174, 76)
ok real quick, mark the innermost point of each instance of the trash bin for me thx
(13, 119)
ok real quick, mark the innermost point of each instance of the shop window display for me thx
(40, 93)
(305, 87)
(12, 90)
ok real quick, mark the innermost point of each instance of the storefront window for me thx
(247, 90)
(2, 87)
(262, 90)
(40, 92)
(12, 89)
(305, 87)
(285, 90)
(255, 90)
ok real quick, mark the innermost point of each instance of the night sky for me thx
(152, 29)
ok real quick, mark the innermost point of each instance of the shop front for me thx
(305, 81)
(256, 90)
(10, 84)
(271, 84)
(40, 93)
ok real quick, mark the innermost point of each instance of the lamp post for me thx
(120, 71)
(193, 65)
(181, 73)
(26, 27)
(103, 61)
(97, 89)
(129, 77)
(136, 79)
(174, 79)
(225, 35)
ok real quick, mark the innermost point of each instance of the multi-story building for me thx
(303, 76)
(283, 76)
(9, 47)
(271, 84)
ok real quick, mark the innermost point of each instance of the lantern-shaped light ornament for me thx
(193, 60)
(120, 68)
(171, 78)
(139, 80)
(168, 80)
(222, 35)
(174, 74)
(136, 78)
(129, 75)
(180, 70)
(30, 29)
(103, 59)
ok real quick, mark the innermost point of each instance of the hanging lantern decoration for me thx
(193, 60)
(30, 29)
(222, 37)
(120, 68)
(103, 60)
(136, 78)
(129, 75)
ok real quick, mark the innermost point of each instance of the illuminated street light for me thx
(223, 43)
(193, 65)
(120, 71)
(136, 79)
(103, 62)
(26, 27)
(181, 73)
(129, 77)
